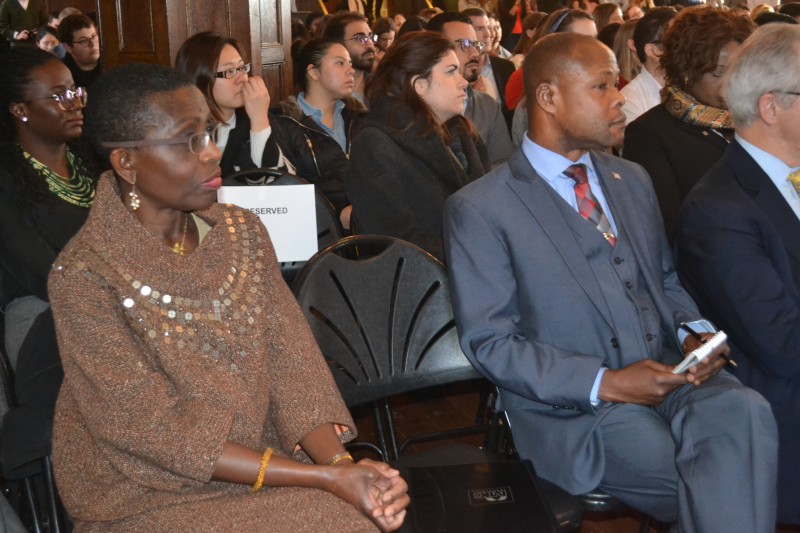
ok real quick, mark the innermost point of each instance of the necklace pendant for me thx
(178, 248)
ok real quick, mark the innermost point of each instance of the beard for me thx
(469, 75)
(364, 64)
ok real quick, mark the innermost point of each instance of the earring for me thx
(24, 118)
(134, 198)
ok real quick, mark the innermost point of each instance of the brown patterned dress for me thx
(166, 358)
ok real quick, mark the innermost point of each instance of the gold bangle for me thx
(263, 470)
(339, 457)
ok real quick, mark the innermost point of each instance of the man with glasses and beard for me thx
(481, 109)
(494, 70)
(353, 31)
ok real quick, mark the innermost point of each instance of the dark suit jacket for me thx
(739, 254)
(674, 153)
(521, 282)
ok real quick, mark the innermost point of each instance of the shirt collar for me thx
(550, 165)
(315, 113)
(777, 170)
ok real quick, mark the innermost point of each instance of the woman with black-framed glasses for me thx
(46, 189)
(239, 102)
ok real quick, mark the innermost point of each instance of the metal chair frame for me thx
(500, 439)
(49, 520)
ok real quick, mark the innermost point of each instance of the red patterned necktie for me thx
(588, 206)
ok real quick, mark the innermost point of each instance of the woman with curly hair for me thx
(679, 140)
(416, 148)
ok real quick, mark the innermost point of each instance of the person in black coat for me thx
(238, 102)
(315, 129)
(680, 139)
(737, 246)
(416, 148)
(46, 189)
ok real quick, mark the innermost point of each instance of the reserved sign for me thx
(287, 211)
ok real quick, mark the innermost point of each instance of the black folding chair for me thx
(380, 310)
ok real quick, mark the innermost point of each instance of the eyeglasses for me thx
(793, 93)
(466, 44)
(197, 142)
(229, 73)
(364, 39)
(68, 99)
(88, 41)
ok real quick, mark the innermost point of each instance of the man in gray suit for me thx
(566, 298)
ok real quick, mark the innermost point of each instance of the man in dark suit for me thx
(737, 237)
(566, 298)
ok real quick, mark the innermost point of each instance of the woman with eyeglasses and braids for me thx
(316, 127)
(195, 397)
(239, 102)
(46, 189)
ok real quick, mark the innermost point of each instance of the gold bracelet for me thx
(263, 470)
(339, 457)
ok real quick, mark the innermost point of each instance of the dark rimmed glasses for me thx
(792, 93)
(87, 41)
(364, 39)
(197, 142)
(68, 99)
(466, 44)
(232, 72)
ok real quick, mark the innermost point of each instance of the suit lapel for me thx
(537, 196)
(624, 209)
(766, 196)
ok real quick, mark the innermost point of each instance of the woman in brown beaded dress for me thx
(191, 380)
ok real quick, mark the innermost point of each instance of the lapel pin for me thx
(616, 176)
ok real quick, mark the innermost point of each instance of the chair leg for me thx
(391, 428)
(381, 433)
(29, 494)
(51, 496)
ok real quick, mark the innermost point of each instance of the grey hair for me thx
(767, 61)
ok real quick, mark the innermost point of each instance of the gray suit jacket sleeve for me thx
(485, 297)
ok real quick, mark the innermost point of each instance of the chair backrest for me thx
(380, 310)
(329, 228)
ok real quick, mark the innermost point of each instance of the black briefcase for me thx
(477, 498)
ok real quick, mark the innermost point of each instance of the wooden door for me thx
(272, 38)
(133, 31)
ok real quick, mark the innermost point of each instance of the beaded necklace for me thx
(77, 190)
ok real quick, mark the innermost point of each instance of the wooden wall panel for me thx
(274, 21)
(187, 17)
(153, 31)
(86, 6)
(134, 31)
